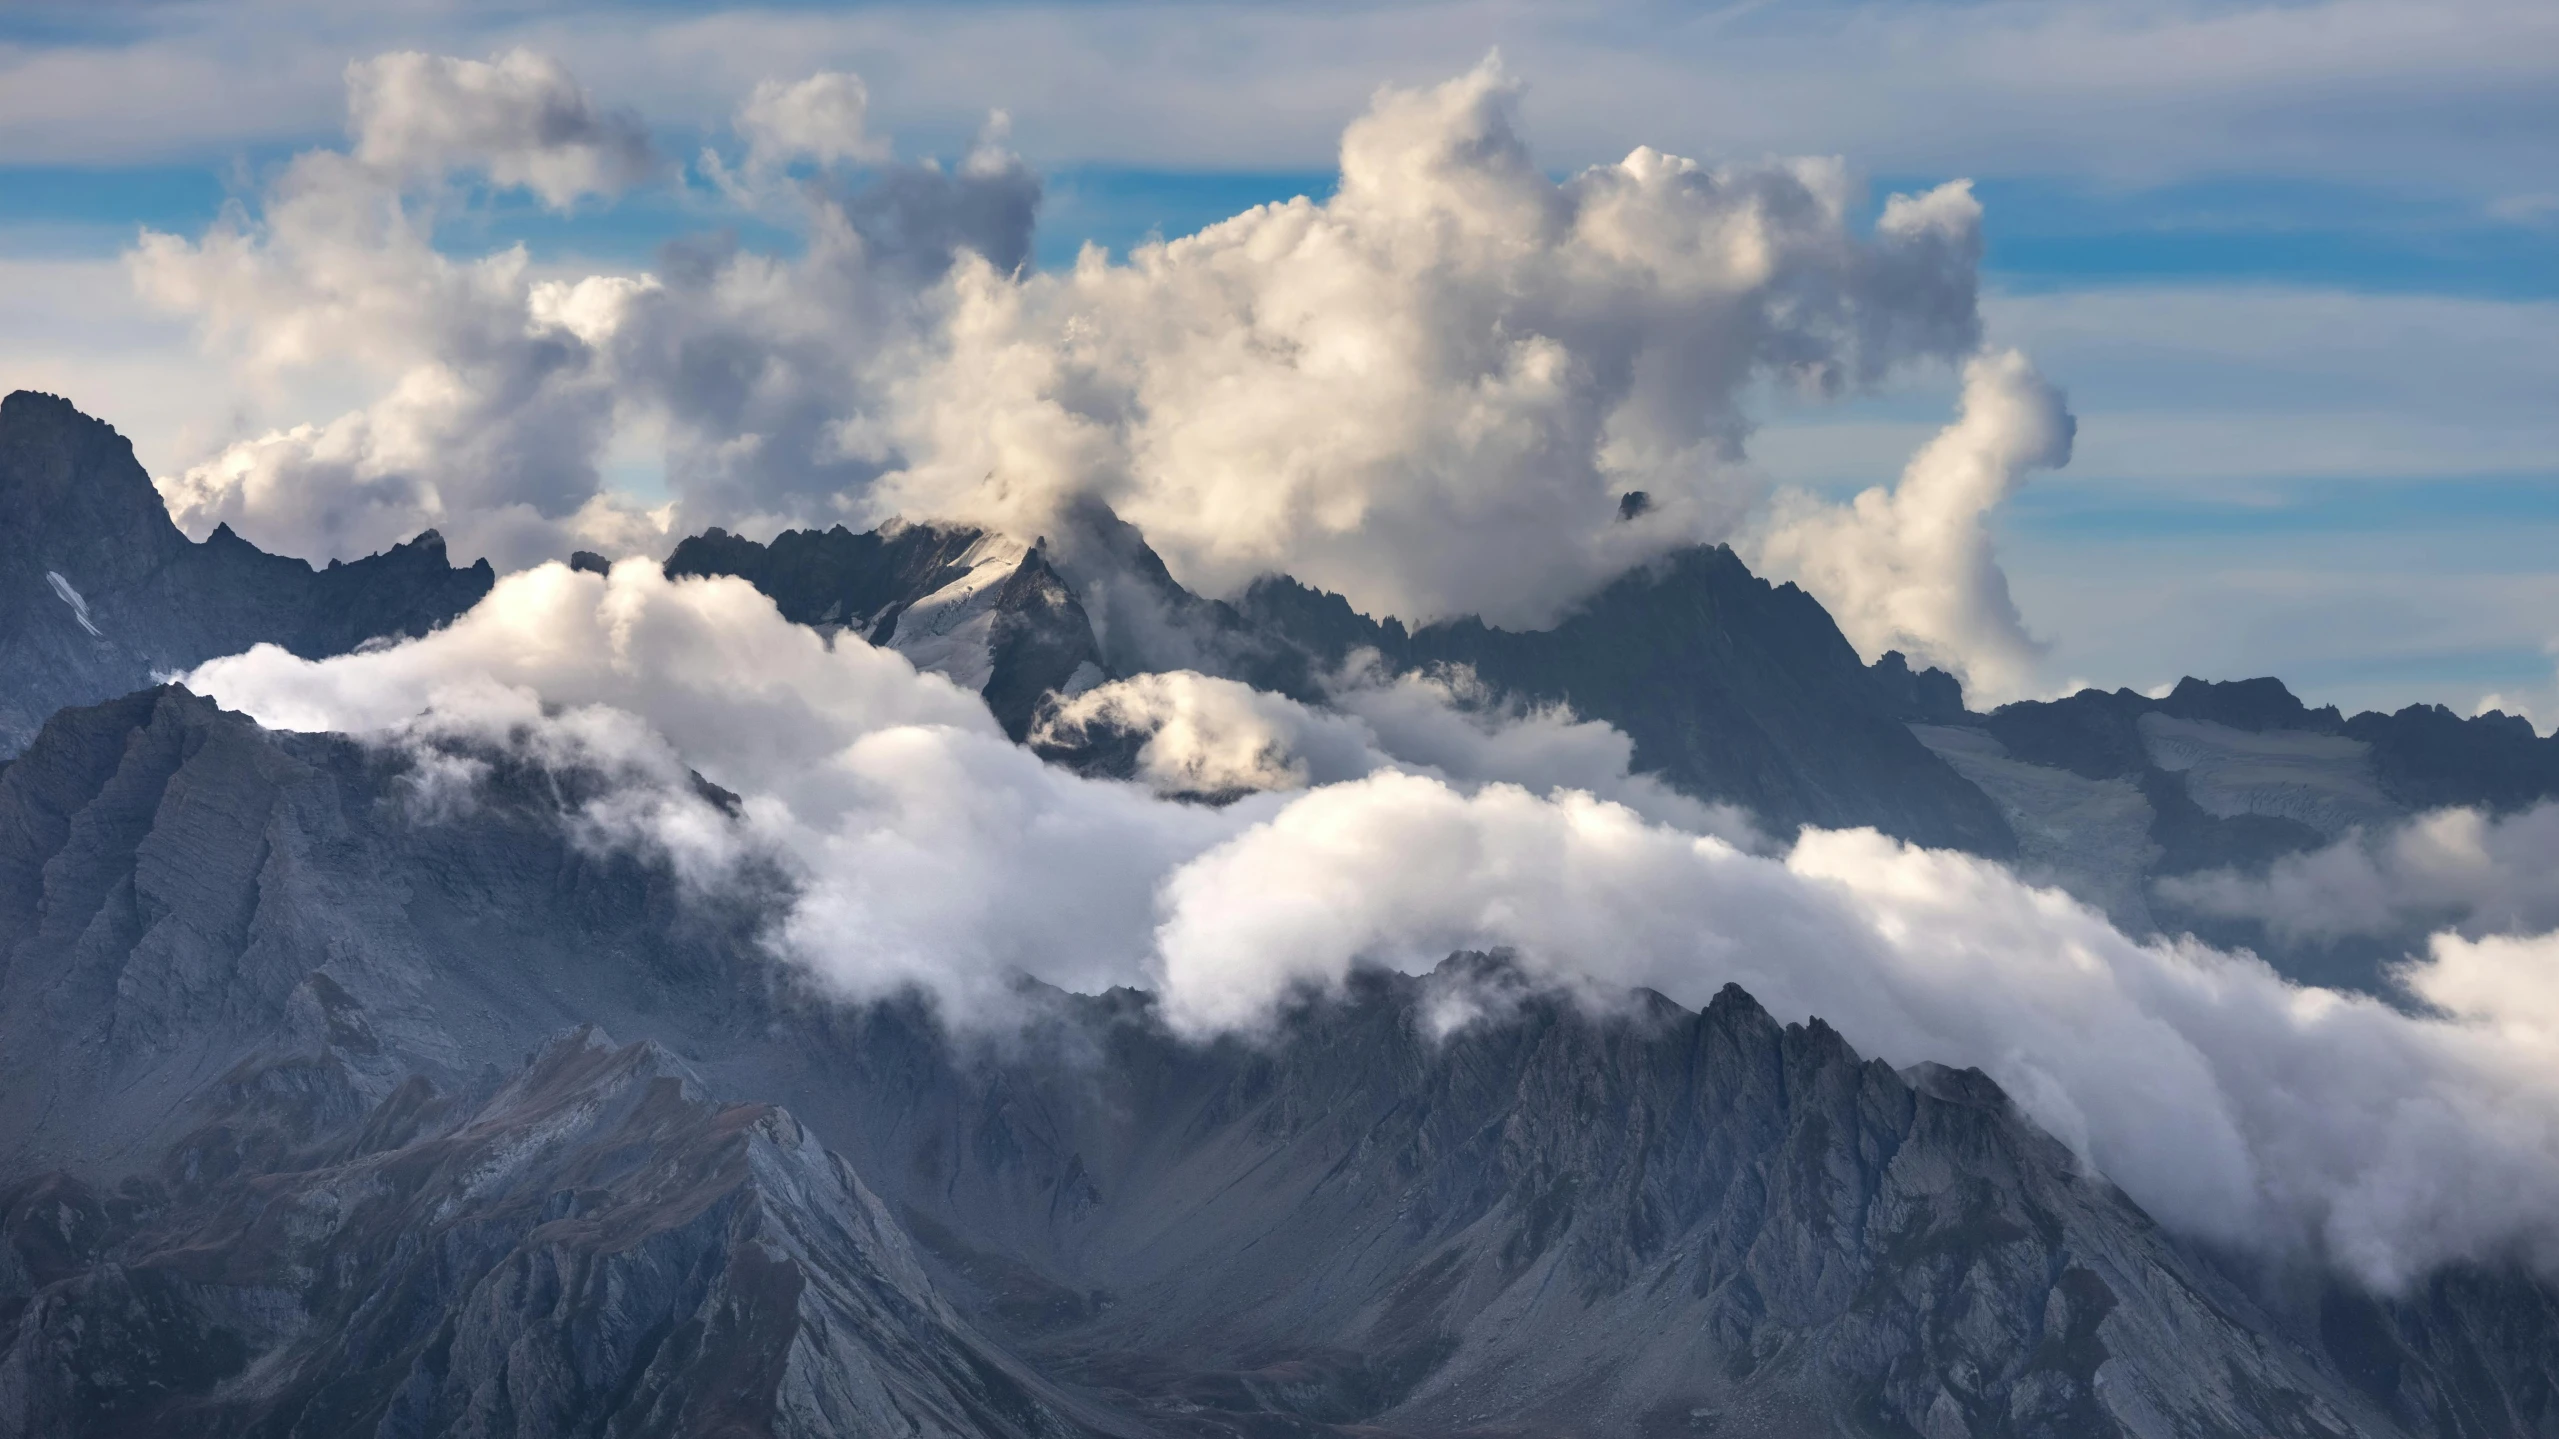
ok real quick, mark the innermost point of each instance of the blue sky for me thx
(2297, 264)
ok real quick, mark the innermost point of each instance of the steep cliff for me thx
(101, 595)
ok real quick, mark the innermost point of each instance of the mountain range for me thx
(322, 1113)
(1730, 688)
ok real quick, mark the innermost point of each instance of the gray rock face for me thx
(100, 594)
(594, 1249)
(272, 1161)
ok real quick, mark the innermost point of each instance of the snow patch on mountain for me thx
(71, 597)
(951, 632)
(2321, 780)
(2089, 836)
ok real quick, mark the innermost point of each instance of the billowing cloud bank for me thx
(928, 852)
(1436, 392)
(1431, 392)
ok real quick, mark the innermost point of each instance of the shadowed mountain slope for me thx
(1731, 687)
(595, 1248)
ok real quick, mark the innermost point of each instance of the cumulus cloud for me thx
(823, 118)
(520, 119)
(493, 400)
(1431, 392)
(2460, 868)
(495, 403)
(499, 390)
(927, 853)
(1911, 567)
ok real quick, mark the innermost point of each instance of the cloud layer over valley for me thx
(2462, 869)
(925, 851)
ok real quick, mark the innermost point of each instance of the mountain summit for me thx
(100, 593)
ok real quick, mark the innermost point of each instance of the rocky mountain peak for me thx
(1925, 696)
(101, 594)
(73, 497)
(2260, 704)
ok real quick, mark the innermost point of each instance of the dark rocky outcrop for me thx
(1926, 696)
(1036, 639)
(100, 594)
(2428, 757)
(834, 576)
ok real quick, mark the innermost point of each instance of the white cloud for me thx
(1430, 392)
(2506, 982)
(1200, 735)
(493, 404)
(2449, 868)
(770, 381)
(928, 853)
(822, 118)
(1203, 736)
(488, 402)
(1911, 568)
(519, 119)
(494, 392)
